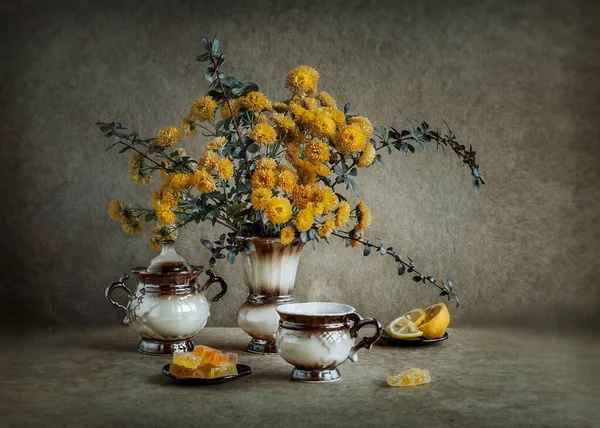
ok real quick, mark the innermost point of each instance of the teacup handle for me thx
(366, 342)
(211, 280)
(112, 287)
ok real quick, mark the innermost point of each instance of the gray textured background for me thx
(518, 80)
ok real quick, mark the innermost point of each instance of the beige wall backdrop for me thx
(518, 80)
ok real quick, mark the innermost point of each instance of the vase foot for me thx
(161, 348)
(317, 376)
(260, 346)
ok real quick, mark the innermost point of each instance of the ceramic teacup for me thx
(316, 337)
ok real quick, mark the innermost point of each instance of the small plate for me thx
(243, 370)
(417, 341)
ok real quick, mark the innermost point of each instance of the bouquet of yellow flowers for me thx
(271, 169)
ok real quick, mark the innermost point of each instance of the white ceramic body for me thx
(163, 317)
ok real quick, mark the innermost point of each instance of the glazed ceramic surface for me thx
(270, 274)
(316, 337)
(167, 308)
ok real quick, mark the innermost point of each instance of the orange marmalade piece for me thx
(214, 357)
(203, 363)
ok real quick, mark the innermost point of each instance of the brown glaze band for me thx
(313, 327)
(268, 248)
(313, 320)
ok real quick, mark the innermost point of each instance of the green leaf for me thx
(353, 172)
(253, 148)
(215, 46)
(231, 257)
(347, 108)
(366, 251)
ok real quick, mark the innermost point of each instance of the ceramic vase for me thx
(270, 274)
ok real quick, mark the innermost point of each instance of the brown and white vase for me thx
(270, 274)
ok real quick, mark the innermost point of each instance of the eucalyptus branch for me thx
(447, 288)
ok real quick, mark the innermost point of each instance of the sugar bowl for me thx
(168, 307)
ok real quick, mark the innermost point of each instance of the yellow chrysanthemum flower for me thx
(287, 235)
(115, 210)
(280, 107)
(266, 163)
(165, 214)
(329, 199)
(307, 173)
(204, 181)
(287, 181)
(181, 181)
(297, 110)
(208, 161)
(256, 101)
(188, 127)
(350, 139)
(342, 214)
(167, 137)
(326, 99)
(302, 80)
(166, 196)
(225, 169)
(304, 220)
(316, 152)
(302, 196)
(318, 123)
(136, 165)
(322, 170)
(260, 198)
(310, 103)
(279, 210)
(284, 122)
(263, 133)
(263, 179)
(367, 157)
(235, 108)
(203, 109)
(364, 217)
(338, 116)
(216, 144)
(363, 123)
(317, 209)
(133, 227)
(326, 228)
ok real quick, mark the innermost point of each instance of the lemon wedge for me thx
(403, 328)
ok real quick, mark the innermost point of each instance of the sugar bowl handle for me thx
(211, 280)
(365, 342)
(112, 287)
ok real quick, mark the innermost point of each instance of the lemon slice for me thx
(437, 319)
(416, 315)
(403, 328)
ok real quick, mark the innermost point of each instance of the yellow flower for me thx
(364, 217)
(326, 228)
(287, 181)
(284, 122)
(302, 196)
(350, 139)
(256, 101)
(322, 170)
(188, 127)
(115, 210)
(204, 181)
(287, 235)
(302, 80)
(326, 99)
(165, 214)
(260, 198)
(133, 227)
(280, 107)
(342, 214)
(181, 181)
(167, 137)
(266, 163)
(216, 144)
(167, 196)
(307, 173)
(225, 169)
(264, 134)
(304, 220)
(363, 123)
(235, 108)
(329, 199)
(297, 110)
(136, 165)
(203, 109)
(208, 161)
(310, 103)
(263, 179)
(367, 157)
(279, 210)
(318, 123)
(338, 116)
(316, 152)
(317, 208)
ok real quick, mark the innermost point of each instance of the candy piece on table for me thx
(214, 356)
(226, 370)
(186, 359)
(410, 377)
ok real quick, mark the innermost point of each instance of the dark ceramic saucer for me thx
(416, 341)
(243, 370)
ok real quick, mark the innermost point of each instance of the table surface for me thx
(479, 377)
